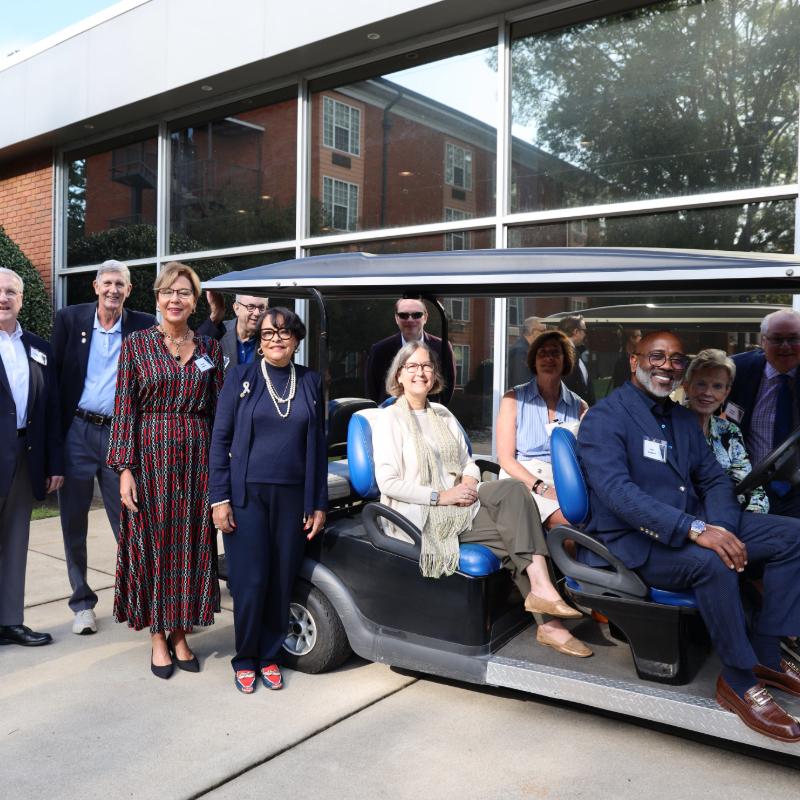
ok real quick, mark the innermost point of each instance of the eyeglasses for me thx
(252, 309)
(411, 367)
(181, 294)
(778, 341)
(658, 358)
(11, 294)
(410, 314)
(268, 334)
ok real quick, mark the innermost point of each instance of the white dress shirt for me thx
(15, 363)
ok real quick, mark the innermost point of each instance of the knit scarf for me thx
(441, 524)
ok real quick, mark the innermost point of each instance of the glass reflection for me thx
(669, 99)
(406, 148)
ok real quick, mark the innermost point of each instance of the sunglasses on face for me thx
(410, 314)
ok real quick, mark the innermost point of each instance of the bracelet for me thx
(544, 487)
(220, 503)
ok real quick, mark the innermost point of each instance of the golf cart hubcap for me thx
(302, 635)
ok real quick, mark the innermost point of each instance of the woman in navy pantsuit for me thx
(268, 487)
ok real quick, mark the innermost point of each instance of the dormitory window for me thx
(458, 167)
(340, 202)
(457, 240)
(341, 126)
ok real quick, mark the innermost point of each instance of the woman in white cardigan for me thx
(424, 471)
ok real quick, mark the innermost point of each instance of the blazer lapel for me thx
(85, 329)
(35, 377)
(4, 379)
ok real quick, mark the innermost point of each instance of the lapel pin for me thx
(245, 388)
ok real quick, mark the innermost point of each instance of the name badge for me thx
(655, 449)
(225, 361)
(203, 363)
(39, 357)
(734, 412)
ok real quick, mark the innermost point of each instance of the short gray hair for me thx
(766, 321)
(394, 387)
(113, 265)
(15, 276)
(711, 359)
(527, 325)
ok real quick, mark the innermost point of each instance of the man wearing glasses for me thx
(86, 342)
(765, 398)
(662, 504)
(410, 317)
(237, 336)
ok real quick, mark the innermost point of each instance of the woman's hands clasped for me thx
(462, 494)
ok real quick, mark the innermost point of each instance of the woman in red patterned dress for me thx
(167, 390)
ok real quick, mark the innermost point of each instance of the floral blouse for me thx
(725, 439)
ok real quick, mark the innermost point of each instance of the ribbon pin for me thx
(245, 388)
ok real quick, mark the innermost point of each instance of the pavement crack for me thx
(308, 737)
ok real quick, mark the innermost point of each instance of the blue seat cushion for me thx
(573, 496)
(359, 456)
(477, 559)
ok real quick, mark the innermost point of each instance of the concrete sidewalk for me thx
(84, 718)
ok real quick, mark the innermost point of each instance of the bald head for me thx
(659, 363)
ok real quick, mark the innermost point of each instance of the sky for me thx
(23, 22)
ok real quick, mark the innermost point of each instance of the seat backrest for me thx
(360, 458)
(339, 413)
(573, 495)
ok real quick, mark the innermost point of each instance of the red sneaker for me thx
(245, 680)
(271, 676)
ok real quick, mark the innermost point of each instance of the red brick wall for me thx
(26, 208)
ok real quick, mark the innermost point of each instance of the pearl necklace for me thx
(276, 398)
(177, 342)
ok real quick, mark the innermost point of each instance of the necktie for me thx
(782, 427)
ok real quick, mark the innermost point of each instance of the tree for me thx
(683, 97)
(36, 314)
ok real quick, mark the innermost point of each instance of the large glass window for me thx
(755, 227)
(80, 289)
(671, 99)
(111, 203)
(233, 178)
(409, 142)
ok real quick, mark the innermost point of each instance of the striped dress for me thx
(166, 565)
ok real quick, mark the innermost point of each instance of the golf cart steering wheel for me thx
(777, 465)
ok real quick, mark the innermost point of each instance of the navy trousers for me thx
(85, 452)
(264, 554)
(771, 541)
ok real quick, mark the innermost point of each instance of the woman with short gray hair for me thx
(425, 472)
(707, 385)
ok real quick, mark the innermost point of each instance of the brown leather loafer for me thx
(759, 712)
(572, 647)
(787, 679)
(555, 608)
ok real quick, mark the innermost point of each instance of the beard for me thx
(645, 379)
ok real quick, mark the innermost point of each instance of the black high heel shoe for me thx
(161, 672)
(186, 664)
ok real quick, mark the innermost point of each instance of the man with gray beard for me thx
(663, 505)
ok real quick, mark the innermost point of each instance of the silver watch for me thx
(434, 497)
(697, 529)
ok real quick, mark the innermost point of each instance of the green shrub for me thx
(37, 309)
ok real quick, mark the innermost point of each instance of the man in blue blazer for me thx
(410, 316)
(663, 505)
(765, 399)
(236, 336)
(86, 343)
(31, 462)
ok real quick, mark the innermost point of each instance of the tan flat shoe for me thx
(555, 608)
(572, 647)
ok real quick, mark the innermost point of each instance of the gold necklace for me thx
(179, 342)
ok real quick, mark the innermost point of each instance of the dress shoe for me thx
(759, 711)
(271, 676)
(22, 634)
(85, 622)
(245, 680)
(186, 664)
(572, 647)
(555, 608)
(161, 672)
(787, 678)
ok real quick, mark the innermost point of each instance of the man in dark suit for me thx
(410, 316)
(237, 336)
(765, 399)
(518, 370)
(580, 379)
(663, 505)
(86, 344)
(31, 460)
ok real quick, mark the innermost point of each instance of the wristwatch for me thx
(434, 497)
(696, 529)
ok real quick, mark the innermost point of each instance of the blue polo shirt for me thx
(101, 370)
